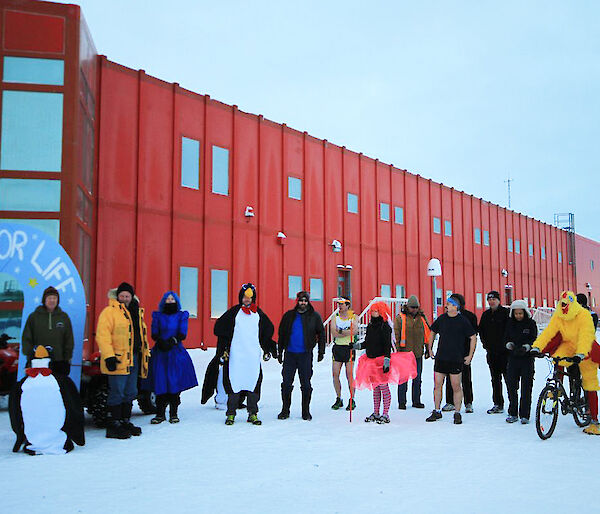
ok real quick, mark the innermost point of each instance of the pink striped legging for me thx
(382, 390)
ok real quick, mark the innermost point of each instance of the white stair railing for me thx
(364, 317)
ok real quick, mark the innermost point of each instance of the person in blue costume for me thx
(171, 370)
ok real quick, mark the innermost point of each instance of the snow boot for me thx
(351, 405)
(173, 406)
(125, 421)
(469, 408)
(161, 407)
(457, 418)
(114, 428)
(524, 421)
(402, 406)
(373, 417)
(286, 400)
(418, 405)
(306, 395)
(339, 403)
(512, 419)
(230, 420)
(592, 429)
(252, 418)
(449, 407)
(435, 415)
(496, 409)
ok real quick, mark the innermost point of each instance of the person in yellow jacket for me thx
(571, 333)
(123, 343)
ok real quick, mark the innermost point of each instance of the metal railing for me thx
(541, 316)
(364, 317)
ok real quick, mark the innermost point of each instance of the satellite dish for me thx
(434, 268)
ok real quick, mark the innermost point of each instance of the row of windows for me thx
(219, 290)
(386, 291)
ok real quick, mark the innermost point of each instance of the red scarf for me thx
(250, 309)
(34, 372)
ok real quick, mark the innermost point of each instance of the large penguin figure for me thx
(45, 409)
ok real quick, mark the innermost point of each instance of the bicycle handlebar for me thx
(556, 359)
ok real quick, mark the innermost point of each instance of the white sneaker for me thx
(449, 407)
(469, 408)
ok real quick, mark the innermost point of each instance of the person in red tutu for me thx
(379, 367)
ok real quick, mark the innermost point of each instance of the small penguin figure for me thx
(45, 409)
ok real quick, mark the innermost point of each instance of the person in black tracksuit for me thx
(492, 326)
(466, 381)
(521, 332)
(300, 330)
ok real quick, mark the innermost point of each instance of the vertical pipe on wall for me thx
(136, 268)
(232, 192)
(206, 283)
(284, 194)
(258, 206)
(174, 181)
(325, 271)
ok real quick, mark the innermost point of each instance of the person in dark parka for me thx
(170, 370)
(300, 330)
(49, 325)
(583, 301)
(492, 326)
(521, 332)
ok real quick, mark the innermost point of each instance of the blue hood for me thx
(161, 305)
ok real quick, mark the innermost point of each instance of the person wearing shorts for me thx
(450, 358)
(343, 328)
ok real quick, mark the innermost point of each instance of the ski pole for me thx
(351, 369)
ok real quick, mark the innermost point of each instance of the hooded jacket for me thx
(48, 329)
(520, 333)
(312, 325)
(165, 325)
(115, 337)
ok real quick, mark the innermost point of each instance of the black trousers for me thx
(520, 369)
(467, 386)
(302, 362)
(498, 364)
(233, 401)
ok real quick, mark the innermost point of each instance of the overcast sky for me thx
(462, 92)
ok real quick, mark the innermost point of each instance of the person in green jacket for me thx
(49, 325)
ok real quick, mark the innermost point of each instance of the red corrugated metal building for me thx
(157, 185)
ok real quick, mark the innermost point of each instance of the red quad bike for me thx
(94, 391)
(9, 361)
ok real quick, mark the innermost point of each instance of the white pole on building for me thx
(434, 269)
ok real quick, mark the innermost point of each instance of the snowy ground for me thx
(324, 466)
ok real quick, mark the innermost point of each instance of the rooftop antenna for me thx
(508, 181)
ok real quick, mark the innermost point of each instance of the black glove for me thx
(386, 365)
(162, 345)
(427, 352)
(266, 356)
(111, 363)
(520, 351)
(173, 341)
(61, 367)
(578, 358)
(320, 357)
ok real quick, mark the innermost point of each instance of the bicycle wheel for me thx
(581, 411)
(546, 412)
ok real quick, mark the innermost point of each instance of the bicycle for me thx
(553, 393)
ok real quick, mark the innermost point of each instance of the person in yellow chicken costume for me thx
(571, 333)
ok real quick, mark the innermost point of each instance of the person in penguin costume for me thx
(45, 409)
(241, 334)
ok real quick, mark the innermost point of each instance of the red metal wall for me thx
(587, 251)
(149, 226)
